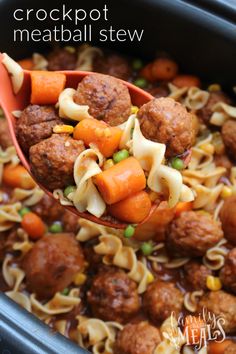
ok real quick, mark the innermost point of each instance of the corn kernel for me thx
(134, 109)
(226, 192)
(63, 128)
(214, 87)
(208, 148)
(218, 143)
(213, 283)
(70, 49)
(108, 164)
(150, 278)
(79, 279)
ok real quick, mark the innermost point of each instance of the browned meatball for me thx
(113, 296)
(223, 305)
(229, 137)
(196, 275)
(113, 65)
(192, 234)
(231, 349)
(166, 121)
(52, 160)
(61, 59)
(48, 209)
(161, 299)
(137, 338)
(5, 137)
(159, 91)
(106, 96)
(35, 124)
(206, 112)
(52, 263)
(228, 219)
(70, 221)
(228, 272)
(223, 161)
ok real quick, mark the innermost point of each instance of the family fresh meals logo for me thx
(197, 330)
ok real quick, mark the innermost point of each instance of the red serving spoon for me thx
(10, 102)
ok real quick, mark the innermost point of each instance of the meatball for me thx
(228, 219)
(48, 209)
(113, 65)
(223, 305)
(113, 296)
(161, 299)
(231, 349)
(196, 275)
(206, 112)
(166, 121)
(159, 91)
(137, 338)
(5, 137)
(228, 272)
(62, 59)
(192, 234)
(223, 161)
(35, 124)
(70, 221)
(106, 96)
(52, 160)
(52, 263)
(229, 137)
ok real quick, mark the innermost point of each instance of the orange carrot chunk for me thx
(183, 206)
(186, 81)
(33, 225)
(133, 209)
(26, 64)
(17, 177)
(193, 328)
(121, 180)
(46, 86)
(146, 72)
(164, 69)
(218, 348)
(105, 137)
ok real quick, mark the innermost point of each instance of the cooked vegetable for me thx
(120, 155)
(26, 64)
(65, 292)
(141, 82)
(192, 329)
(133, 209)
(108, 164)
(56, 227)
(68, 190)
(186, 81)
(213, 283)
(137, 64)
(17, 177)
(183, 206)
(105, 137)
(218, 348)
(33, 225)
(120, 181)
(129, 231)
(177, 163)
(46, 86)
(147, 248)
(24, 211)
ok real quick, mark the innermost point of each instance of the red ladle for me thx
(10, 102)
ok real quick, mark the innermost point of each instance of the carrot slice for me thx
(46, 86)
(121, 180)
(105, 137)
(218, 348)
(133, 209)
(33, 225)
(26, 64)
(183, 206)
(186, 81)
(17, 177)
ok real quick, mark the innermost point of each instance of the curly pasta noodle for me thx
(7, 156)
(215, 257)
(222, 112)
(9, 215)
(151, 157)
(97, 334)
(24, 244)
(196, 98)
(39, 62)
(162, 257)
(86, 58)
(89, 230)
(177, 93)
(16, 72)
(124, 257)
(69, 109)
(191, 300)
(12, 275)
(30, 197)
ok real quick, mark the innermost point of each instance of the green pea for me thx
(56, 227)
(146, 248)
(68, 190)
(137, 64)
(177, 163)
(141, 82)
(120, 155)
(129, 231)
(65, 291)
(24, 211)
